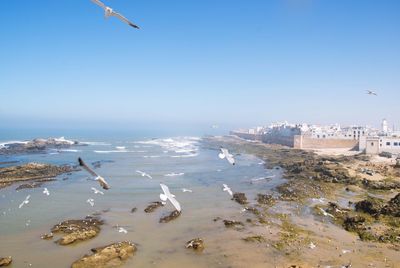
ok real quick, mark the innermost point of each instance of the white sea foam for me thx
(69, 150)
(121, 148)
(184, 155)
(183, 146)
(6, 143)
(174, 174)
(98, 143)
(111, 151)
(62, 139)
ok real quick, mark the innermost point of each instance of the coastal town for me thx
(364, 139)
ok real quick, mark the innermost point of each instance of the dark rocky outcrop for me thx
(112, 255)
(265, 199)
(77, 230)
(31, 171)
(174, 214)
(371, 205)
(36, 146)
(232, 223)
(381, 185)
(153, 206)
(392, 207)
(240, 198)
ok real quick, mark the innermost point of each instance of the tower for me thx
(384, 126)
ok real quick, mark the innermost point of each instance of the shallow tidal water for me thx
(179, 162)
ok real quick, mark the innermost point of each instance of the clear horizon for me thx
(230, 63)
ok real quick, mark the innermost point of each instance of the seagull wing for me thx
(97, 2)
(228, 156)
(230, 159)
(224, 151)
(115, 14)
(88, 169)
(170, 197)
(165, 189)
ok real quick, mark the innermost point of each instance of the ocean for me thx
(177, 161)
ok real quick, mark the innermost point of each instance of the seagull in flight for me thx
(108, 11)
(227, 189)
(225, 154)
(95, 191)
(26, 201)
(370, 92)
(168, 196)
(98, 178)
(90, 201)
(46, 191)
(122, 230)
(144, 174)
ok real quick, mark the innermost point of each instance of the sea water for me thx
(177, 161)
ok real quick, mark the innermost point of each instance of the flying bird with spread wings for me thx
(227, 189)
(98, 178)
(168, 196)
(144, 174)
(370, 92)
(225, 154)
(108, 12)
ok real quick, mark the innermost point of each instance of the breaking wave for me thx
(99, 143)
(182, 146)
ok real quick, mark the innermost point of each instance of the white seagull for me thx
(370, 92)
(97, 191)
(90, 201)
(225, 154)
(26, 201)
(168, 196)
(144, 174)
(122, 230)
(227, 189)
(108, 12)
(46, 192)
(98, 178)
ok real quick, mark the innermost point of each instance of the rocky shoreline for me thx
(314, 177)
(36, 173)
(36, 146)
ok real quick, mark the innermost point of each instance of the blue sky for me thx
(232, 62)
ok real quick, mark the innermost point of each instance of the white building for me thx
(379, 144)
(384, 141)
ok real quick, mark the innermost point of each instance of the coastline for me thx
(300, 219)
(323, 182)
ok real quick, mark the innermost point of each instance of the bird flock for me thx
(165, 196)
